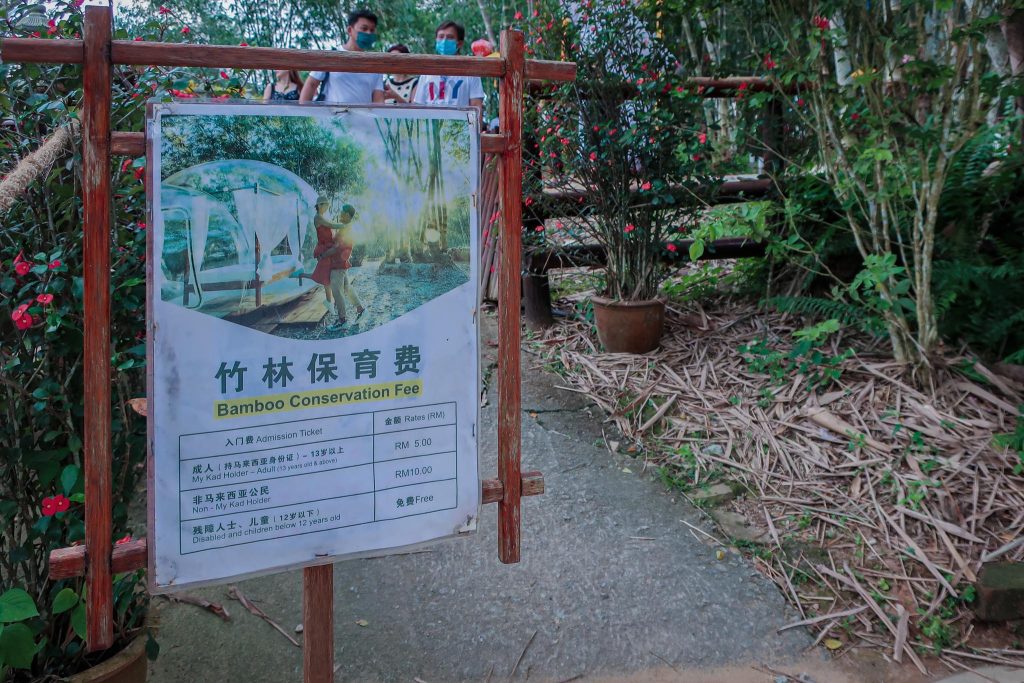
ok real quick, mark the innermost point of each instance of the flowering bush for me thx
(623, 148)
(42, 622)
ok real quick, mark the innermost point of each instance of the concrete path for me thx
(613, 585)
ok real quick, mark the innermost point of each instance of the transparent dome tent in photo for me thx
(234, 226)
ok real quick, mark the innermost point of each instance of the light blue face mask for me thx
(365, 40)
(446, 46)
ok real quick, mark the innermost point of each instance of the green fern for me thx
(816, 307)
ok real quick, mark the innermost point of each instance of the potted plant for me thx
(42, 621)
(627, 147)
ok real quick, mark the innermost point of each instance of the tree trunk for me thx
(1013, 30)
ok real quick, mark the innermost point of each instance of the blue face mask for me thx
(447, 46)
(365, 40)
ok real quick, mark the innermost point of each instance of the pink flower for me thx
(185, 30)
(670, 247)
(19, 312)
(820, 23)
(646, 185)
(55, 264)
(518, 15)
(22, 268)
(629, 228)
(539, 228)
(123, 541)
(164, 10)
(702, 138)
(45, 298)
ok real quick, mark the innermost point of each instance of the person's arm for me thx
(309, 89)
(267, 91)
(476, 96)
(378, 97)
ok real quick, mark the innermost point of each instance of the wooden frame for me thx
(97, 559)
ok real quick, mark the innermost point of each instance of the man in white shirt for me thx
(350, 88)
(450, 91)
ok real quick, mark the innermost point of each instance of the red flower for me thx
(518, 15)
(535, 14)
(185, 30)
(702, 138)
(19, 312)
(670, 247)
(743, 86)
(138, 39)
(24, 322)
(142, 225)
(122, 541)
(243, 44)
(593, 156)
(224, 75)
(820, 22)
(45, 298)
(55, 263)
(49, 509)
(696, 157)
(61, 503)
(164, 10)
(646, 185)
(854, 116)
(22, 268)
(769, 63)
(629, 227)
(529, 200)
(800, 102)
(539, 228)
(139, 172)
(52, 27)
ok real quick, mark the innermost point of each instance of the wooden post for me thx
(510, 116)
(318, 624)
(96, 275)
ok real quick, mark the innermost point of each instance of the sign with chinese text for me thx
(313, 388)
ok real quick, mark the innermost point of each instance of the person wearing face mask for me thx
(349, 88)
(450, 91)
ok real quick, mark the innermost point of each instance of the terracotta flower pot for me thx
(629, 326)
(127, 666)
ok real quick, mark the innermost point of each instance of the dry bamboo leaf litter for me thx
(880, 500)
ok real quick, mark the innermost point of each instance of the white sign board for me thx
(313, 387)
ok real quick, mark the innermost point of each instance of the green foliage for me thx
(41, 373)
(331, 164)
(1014, 441)
(807, 356)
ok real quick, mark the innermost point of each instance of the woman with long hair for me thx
(286, 86)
